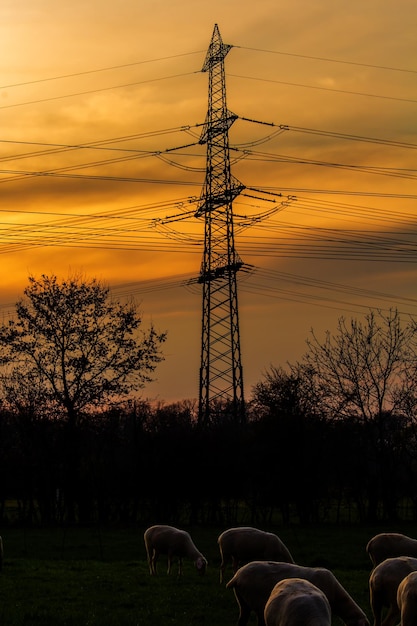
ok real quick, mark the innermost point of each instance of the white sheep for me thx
(253, 583)
(296, 601)
(384, 581)
(407, 599)
(246, 544)
(160, 539)
(388, 545)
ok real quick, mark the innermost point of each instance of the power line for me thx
(333, 134)
(329, 60)
(327, 243)
(250, 154)
(175, 56)
(345, 91)
(349, 137)
(125, 179)
(262, 282)
(102, 144)
(369, 169)
(97, 70)
(343, 192)
(97, 90)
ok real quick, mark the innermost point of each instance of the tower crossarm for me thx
(216, 127)
(219, 272)
(215, 198)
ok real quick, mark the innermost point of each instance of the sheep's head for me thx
(201, 565)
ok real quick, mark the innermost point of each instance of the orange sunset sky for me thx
(101, 107)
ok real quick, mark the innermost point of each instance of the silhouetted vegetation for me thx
(331, 439)
(140, 464)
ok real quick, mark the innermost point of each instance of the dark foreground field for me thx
(99, 577)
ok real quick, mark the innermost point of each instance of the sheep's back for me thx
(254, 582)
(165, 538)
(250, 544)
(295, 601)
(387, 576)
(389, 545)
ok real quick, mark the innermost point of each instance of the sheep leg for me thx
(261, 619)
(392, 617)
(169, 564)
(179, 566)
(153, 557)
(149, 555)
(244, 611)
(149, 563)
(222, 570)
(377, 605)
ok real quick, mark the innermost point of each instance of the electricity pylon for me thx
(221, 378)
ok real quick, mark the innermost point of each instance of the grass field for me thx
(99, 577)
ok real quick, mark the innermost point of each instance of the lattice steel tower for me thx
(221, 379)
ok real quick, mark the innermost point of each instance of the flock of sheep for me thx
(268, 582)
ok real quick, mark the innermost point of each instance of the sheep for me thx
(388, 545)
(253, 583)
(407, 599)
(383, 586)
(246, 544)
(160, 539)
(295, 601)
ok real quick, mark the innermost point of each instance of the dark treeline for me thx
(140, 464)
(331, 438)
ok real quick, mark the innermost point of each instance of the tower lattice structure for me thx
(221, 376)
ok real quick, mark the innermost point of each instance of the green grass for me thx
(99, 577)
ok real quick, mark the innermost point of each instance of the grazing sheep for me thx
(253, 584)
(383, 586)
(388, 545)
(296, 602)
(246, 544)
(174, 543)
(407, 599)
